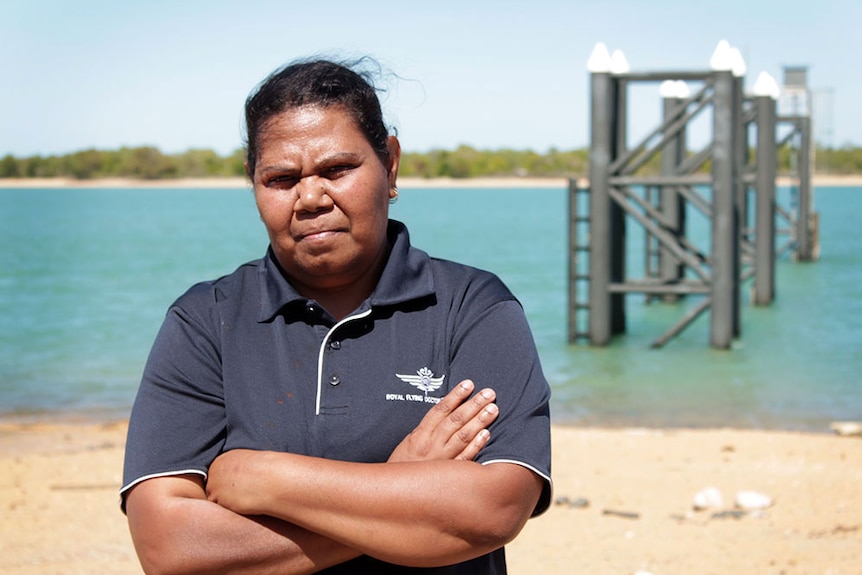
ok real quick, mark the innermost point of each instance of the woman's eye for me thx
(339, 170)
(281, 182)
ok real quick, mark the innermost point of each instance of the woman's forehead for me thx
(314, 134)
(306, 121)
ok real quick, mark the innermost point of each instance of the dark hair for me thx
(317, 83)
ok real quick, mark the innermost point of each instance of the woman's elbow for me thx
(159, 564)
(158, 557)
(161, 525)
(505, 517)
(498, 521)
(161, 554)
(498, 529)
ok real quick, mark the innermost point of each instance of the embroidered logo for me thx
(423, 380)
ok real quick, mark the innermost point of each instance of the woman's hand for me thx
(455, 428)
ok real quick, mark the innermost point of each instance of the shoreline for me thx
(407, 183)
(623, 503)
(104, 415)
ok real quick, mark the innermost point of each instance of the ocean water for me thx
(87, 274)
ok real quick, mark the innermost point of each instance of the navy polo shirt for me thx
(246, 362)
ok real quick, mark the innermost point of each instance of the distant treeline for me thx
(148, 163)
(145, 163)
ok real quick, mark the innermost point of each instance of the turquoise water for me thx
(86, 276)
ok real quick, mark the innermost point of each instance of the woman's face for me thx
(323, 195)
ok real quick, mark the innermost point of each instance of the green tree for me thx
(9, 167)
(86, 164)
(235, 163)
(464, 162)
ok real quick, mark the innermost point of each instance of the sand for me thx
(59, 513)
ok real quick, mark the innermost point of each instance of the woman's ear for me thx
(394, 159)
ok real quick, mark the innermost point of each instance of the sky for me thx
(80, 74)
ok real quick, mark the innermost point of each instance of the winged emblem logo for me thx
(424, 380)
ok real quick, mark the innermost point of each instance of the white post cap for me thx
(619, 64)
(600, 59)
(737, 63)
(667, 89)
(765, 85)
(721, 59)
(674, 89)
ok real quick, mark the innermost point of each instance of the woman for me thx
(314, 410)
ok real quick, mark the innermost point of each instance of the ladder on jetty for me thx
(579, 261)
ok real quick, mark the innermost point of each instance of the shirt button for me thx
(334, 380)
(335, 345)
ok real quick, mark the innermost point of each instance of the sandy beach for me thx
(623, 503)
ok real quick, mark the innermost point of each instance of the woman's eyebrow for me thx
(338, 157)
(283, 169)
(322, 163)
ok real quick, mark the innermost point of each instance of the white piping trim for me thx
(164, 474)
(522, 464)
(537, 472)
(323, 349)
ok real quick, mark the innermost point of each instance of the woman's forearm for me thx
(416, 513)
(176, 530)
(430, 504)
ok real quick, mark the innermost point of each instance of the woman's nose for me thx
(312, 195)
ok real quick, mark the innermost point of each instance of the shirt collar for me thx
(406, 276)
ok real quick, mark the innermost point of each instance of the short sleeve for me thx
(177, 424)
(496, 350)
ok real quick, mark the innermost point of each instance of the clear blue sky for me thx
(78, 74)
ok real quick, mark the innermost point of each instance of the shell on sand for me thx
(847, 428)
(709, 498)
(752, 500)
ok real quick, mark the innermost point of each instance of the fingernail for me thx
(488, 393)
(467, 384)
(491, 408)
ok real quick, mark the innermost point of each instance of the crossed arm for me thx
(267, 512)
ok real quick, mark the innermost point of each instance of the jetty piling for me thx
(671, 204)
(740, 246)
(764, 267)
